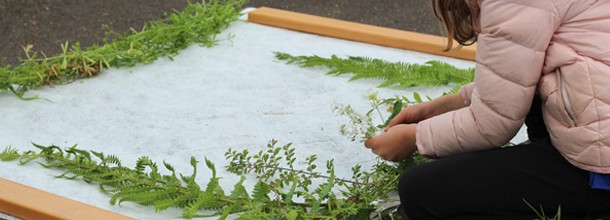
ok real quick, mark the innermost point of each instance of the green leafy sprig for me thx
(276, 172)
(396, 74)
(277, 175)
(361, 127)
(198, 23)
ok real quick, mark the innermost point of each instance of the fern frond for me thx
(142, 163)
(180, 201)
(213, 186)
(203, 201)
(148, 198)
(111, 178)
(394, 74)
(323, 191)
(99, 155)
(170, 168)
(128, 192)
(48, 151)
(112, 159)
(78, 153)
(143, 184)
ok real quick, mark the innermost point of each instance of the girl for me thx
(542, 62)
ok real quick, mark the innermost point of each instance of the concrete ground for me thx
(48, 23)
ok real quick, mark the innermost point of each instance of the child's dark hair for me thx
(456, 17)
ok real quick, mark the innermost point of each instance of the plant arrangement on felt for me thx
(198, 23)
(282, 191)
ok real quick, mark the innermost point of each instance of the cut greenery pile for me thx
(283, 190)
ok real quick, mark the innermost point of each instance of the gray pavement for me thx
(411, 15)
(46, 24)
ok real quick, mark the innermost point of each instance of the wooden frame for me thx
(358, 32)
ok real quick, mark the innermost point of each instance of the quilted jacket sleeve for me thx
(510, 56)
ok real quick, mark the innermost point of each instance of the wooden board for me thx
(358, 32)
(28, 203)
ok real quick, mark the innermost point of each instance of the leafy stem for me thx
(310, 174)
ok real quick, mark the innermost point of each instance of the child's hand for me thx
(396, 144)
(425, 110)
(410, 115)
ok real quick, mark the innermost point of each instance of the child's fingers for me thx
(369, 143)
(401, 118)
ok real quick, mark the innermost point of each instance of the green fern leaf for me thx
(128, 192)
(214, 187)
(323, 191)
(149, 197)
(193, 207)
(208, 163)
(9, 154)
(178, 201)
(112, 159)
(261, 191)
(82, 154)
(203, 201)
(99, 155)
(287, 196)
(239, 191)
(142, 163)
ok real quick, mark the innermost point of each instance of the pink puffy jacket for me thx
(557, 48)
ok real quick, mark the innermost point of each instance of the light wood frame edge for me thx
(25, 202)
(358, 32)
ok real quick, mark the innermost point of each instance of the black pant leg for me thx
(492, 184)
